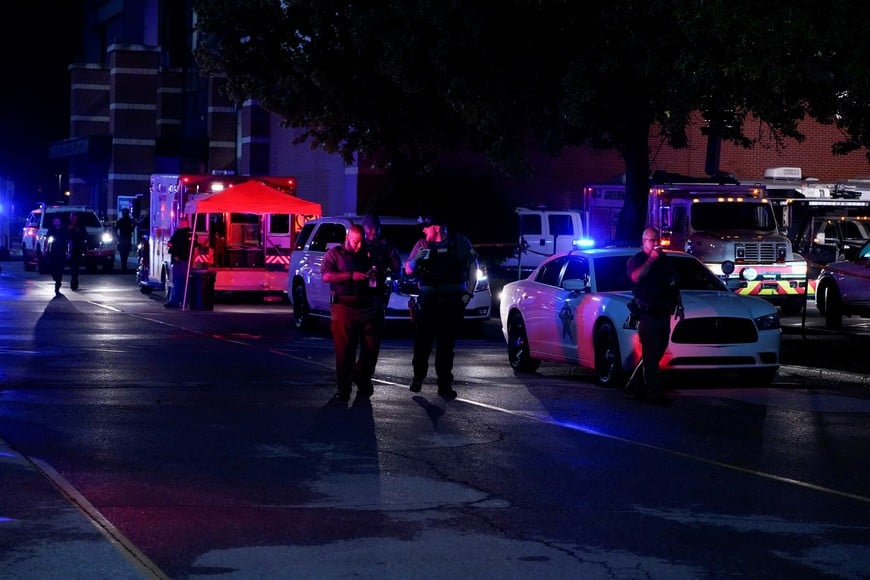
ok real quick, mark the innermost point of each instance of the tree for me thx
(407, 81)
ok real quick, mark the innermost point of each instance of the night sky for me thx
(40, 39)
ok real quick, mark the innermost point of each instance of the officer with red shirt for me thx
(357, 312)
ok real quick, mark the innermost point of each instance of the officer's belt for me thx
(360, 301)
(452, 288)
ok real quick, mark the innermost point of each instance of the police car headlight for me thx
(482, 281)
(767, 322)
(107, 238)
(748, 274)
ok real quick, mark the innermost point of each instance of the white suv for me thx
(310, 294)
(101, 244)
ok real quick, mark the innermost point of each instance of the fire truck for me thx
(733, 230)
(248, 248)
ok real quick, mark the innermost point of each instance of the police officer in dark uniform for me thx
(357, 312)
(385, 257)
(657, 298)
(58, 251)
(78, 245)
(445, 265)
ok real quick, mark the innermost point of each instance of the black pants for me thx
(654, 332)
(436, 325)
(74, 267)
(356, 328)
(56, 265)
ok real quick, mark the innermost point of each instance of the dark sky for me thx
(40, 39)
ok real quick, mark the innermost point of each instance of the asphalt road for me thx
(206, 443)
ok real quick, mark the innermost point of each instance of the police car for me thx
(309, 294)
(574, 308)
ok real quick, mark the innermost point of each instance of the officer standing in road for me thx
(357, 311)
(58, 251)
(445, 265)
(179, 252)
(78, 245)
(385, 257)
(125, 228)
(658, 297)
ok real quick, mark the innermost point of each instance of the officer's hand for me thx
(466, 298)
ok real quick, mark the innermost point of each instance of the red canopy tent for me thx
(248, 197)
(252, 197)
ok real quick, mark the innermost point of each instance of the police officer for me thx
(658, 297)
(445, 265)
(58, 251)
(385, 257)
(179, 251)
(357, 312)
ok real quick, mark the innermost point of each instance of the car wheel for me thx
(608, 362)
(833, 308)
(42, 264)
(820, 299)
(302, 318)
(519, 355)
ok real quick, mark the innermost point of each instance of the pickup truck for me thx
(542, 233)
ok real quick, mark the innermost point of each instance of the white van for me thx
(310, 294)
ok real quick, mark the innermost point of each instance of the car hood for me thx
(698, 303)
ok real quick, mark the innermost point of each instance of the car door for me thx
(566, 305)
(539, 307)
(328, 235)
(854, 280)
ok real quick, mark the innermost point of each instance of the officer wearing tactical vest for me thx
(357, 313)
(445, 265)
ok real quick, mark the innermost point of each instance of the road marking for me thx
(696, 458)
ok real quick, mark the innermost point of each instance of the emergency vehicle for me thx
(247, 248)
(543, 232)
(733, 230)
(825, 221)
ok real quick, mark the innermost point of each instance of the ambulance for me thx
(244, 238)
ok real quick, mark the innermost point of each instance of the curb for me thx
(826, 374)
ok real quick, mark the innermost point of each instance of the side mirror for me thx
(576, 285)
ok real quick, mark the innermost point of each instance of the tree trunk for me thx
(635, 153)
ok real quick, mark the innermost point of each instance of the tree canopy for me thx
(406, 82)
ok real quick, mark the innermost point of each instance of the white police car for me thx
(573, 309)
(309, 294)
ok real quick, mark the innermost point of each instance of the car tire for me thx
(519, 355)
(42, 265)
(608, 361)
(302, 318)
(833, 308)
